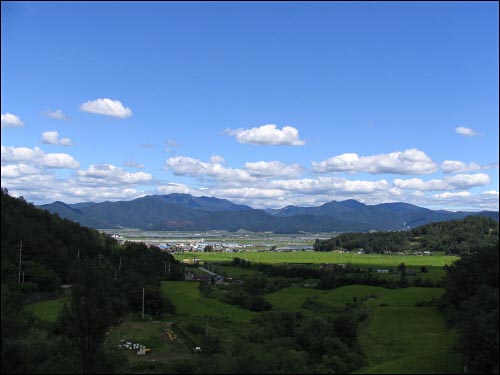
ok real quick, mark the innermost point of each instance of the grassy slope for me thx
(186, 297)
(399, 337)
(402, 338)
(292, 298)
(48, 310)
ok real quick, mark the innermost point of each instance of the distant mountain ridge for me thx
(185, 212)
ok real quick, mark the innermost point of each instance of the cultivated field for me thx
(374, 260)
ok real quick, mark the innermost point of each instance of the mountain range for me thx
(186, 212)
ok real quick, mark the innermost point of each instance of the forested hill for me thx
(51, 246)
(452, 237)
(108, 282)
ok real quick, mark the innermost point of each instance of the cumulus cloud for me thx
(273, 169)
(448, 195)
(11, 121)
(268, 135)
(172, 187)
(252, 172)
(460, 181)
(245, 192)
(52, 138)
(107, 174)
(468, 132)
(38, 157)
(57, 114)
(21, 169)
(455, 166)
(108, 107)
(324, 185)
(411, 161)
(464, 200)
(186, 166)
(47, 188)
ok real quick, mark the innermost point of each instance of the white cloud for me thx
(38, 157)
(47, 188)
(248, 193)
(107, 174)
(460, 181)
(268, 135)
(186, 166)
(464, 200)
(468, 132)
(447, 195)
(21, 169)
(252, 172)
(273, 169)
(411, 161)
(108, 107)
(11, 121)
(455, 166)
(330, 185)
(52, 138)
(176, 188)
(491, 192)
(57, 114)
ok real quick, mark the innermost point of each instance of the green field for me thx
(186, 297)
(235, 272)
(48, 310)
(401, 338)
(398, 337)
(292, 298)
(324, 257)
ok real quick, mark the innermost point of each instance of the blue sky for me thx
(262, 103)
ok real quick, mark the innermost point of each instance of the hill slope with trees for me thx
(453, 237)
(107, 282)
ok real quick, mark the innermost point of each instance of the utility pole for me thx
(20, 260)
(142, 303)
(120, 265)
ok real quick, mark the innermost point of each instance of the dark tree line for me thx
(454, 237)
(471, 303)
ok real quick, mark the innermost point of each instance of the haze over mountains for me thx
(185, 212)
